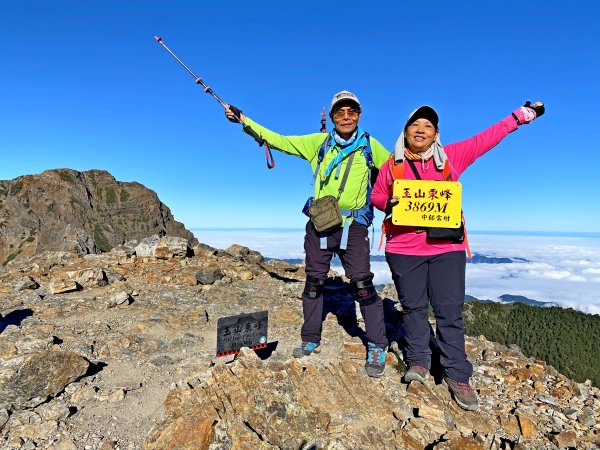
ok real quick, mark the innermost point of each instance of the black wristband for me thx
(516, 118)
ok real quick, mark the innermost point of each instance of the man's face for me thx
(345, 118)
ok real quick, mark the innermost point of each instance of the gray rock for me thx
(237, 251)
(209, 275)
(203, 250)
(78, 241)
(125, 250)
(63, 286)
(91, 277)
(254, 257)
(113, 276)
(26, 417)
(548, 400)
(171, 246)
(119, 298)
(28, 380)
(586, 418)
(571, 413)
(25, 283)
(147, 246)
(3, 417)
(56, 410)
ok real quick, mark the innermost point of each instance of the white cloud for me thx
(561, 270)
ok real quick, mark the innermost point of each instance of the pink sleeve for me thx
(463, 153)
(382, 188)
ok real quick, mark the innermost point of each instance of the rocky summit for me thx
(117, 351)
(83, 212)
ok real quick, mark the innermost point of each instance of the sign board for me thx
(243, 330)
(426, 203)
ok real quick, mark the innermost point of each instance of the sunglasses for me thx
(352, 113)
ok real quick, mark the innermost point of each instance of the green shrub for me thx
(100, 239)
(66, 176)
(16, 188)
(111, 197)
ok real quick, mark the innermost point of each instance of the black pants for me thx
(441, 280)
(357, 267)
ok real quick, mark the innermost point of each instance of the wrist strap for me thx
(516, 118)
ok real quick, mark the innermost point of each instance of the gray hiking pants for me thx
(439, 279)
(357, 267)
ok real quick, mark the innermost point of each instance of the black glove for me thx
(538, 107)
(235, 110)
(391, 202)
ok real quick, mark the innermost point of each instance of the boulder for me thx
(28, 380)
(171, 246)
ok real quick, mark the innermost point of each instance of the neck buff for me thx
(436, 150)
(357, 140)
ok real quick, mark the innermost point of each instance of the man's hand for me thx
(234, 114)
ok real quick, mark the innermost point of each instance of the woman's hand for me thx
(391, 202)
(528, 112)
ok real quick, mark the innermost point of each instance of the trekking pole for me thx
(208, 90)
(323, 122)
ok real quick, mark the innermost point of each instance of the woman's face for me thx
(420, 135)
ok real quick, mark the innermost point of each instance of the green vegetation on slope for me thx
(564, 338)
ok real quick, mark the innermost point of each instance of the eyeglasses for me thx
(352, 113)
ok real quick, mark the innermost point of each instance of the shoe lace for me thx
(464, 387)
(419, 369)
(374, 353)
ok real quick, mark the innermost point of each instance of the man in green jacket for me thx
(342, 162)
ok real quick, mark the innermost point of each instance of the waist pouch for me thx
(456, 235)
(324, 212)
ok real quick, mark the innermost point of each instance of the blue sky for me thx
(84, 85)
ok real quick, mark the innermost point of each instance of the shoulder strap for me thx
(396, 170)
(320, 156)
(367, 152)
(346, 172)
(446, 173)
(414, 169)
(323, 149)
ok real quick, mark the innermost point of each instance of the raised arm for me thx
(463, 153)
(304, 146)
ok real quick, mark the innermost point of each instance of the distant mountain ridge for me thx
(85, 212)
(477, 259)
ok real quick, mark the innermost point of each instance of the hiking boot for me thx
(463, 394)
(416, 373)
(305, 349)
(375, 364)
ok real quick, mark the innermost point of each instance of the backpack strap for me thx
(396, 170)
(446, 173)
(320, 156)
(367, 152)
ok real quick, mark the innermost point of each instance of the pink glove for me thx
(526, 114)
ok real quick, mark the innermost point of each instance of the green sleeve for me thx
(380, 154)
(305, 147)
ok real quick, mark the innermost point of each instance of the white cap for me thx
(341, 96)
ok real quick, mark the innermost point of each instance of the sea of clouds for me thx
(564, 270)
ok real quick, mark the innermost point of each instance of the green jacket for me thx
(307, 147)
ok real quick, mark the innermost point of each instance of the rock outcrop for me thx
(82, 212)
(117, 351)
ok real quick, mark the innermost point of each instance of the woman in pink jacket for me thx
(425, 269)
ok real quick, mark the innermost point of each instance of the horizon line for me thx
(490, 232)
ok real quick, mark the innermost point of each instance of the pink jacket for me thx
(403, 239)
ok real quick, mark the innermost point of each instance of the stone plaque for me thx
(242, 330)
